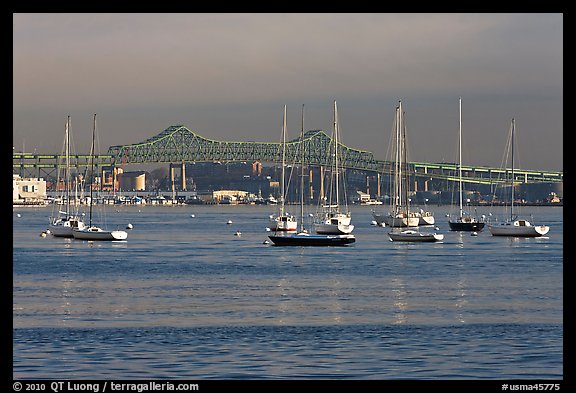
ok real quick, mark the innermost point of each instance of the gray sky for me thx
(228, 76)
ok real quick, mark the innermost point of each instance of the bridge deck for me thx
(177, 144)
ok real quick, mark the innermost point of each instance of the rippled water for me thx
(186, 298)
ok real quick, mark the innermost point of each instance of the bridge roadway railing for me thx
(178, 144)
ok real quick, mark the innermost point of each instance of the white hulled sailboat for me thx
(65, 222)
(400, 215)
(332, 219)
(515, 226)
(283, 221)
(303, 237)
(93, 232)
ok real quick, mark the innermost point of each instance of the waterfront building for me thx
(28, 191)
(230, 197)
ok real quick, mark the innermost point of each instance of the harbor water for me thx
(190, 296)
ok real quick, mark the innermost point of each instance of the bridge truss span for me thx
(178, 143)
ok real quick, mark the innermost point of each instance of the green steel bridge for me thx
(177, 144)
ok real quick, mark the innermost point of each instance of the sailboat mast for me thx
(405, 165)
(67, 143)
(92, 170)
(460, 155)
(282, 191)
(336, 153)
(512, 191)
(302, 174)
(397, 171)
(400, 156)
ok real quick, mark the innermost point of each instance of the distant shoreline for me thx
(43, 204)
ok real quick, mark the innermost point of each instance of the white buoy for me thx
(474, 233)
(129, 226)
(266, 242)
(373, 222)
(268, 229)
(18, 215)
(238, 233)
(229, 222)
(192, 215)
(436, 228)
(43, 234)
(48, 231)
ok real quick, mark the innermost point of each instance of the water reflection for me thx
(400, 302)
(66, 305)
(461, 300)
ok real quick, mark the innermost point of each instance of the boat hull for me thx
(280, 228)
(99, 234)
(466, 226)
(401, 222)
(379, 218)
(426, 219)
(333, 229)
(398, 222)
(334, 224)
(65, 227)
(312, 240)
(415, 236)
(519, 228)
(283, 224)
(61, 231)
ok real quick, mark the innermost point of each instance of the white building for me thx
(28, 191)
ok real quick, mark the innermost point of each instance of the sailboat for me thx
(332, 220)
(283, 221)
(93, 232)
(303, 237)
(515, 226)
(425, 217)
(400, 216)
(65, 222)
(463, 222)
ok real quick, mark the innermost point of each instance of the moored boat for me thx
(64, 224)
(303, 238)
(307, 239)
(515, 226)
(399, 214)
(414, 235)
(92, 232)
(96, 233)
(520, 228)
(332, 219)
(425, 217)
(463, 222)
(283, 221)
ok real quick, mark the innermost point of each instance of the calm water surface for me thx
(184, 297)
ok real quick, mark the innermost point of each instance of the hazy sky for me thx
(228, 76)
